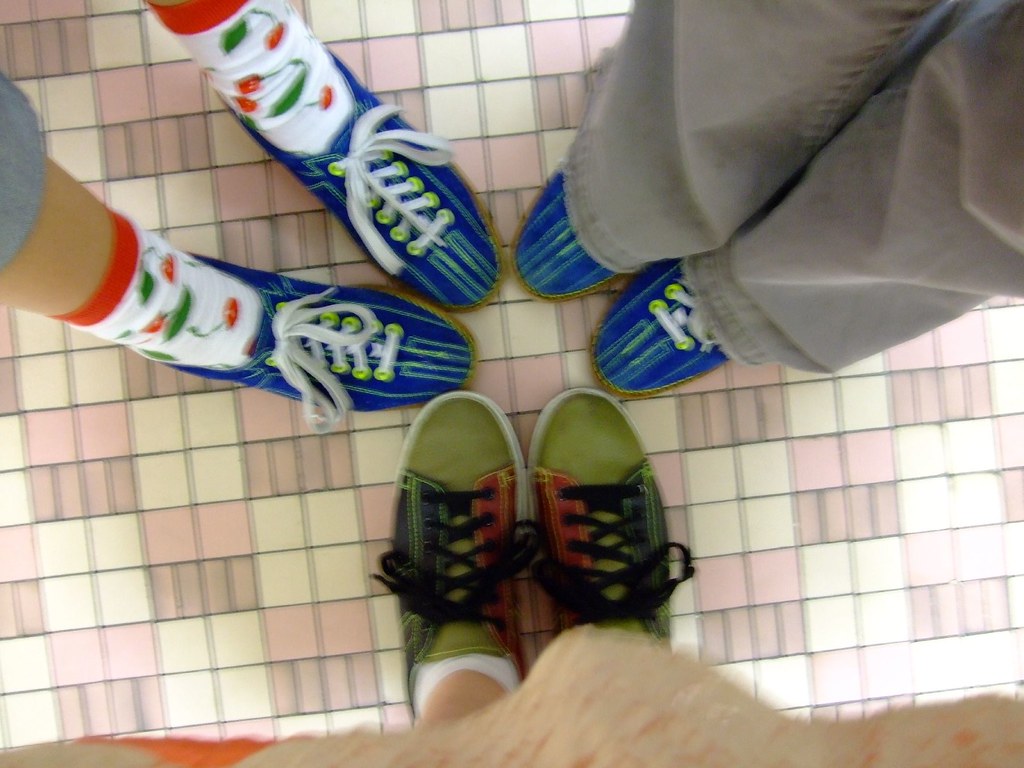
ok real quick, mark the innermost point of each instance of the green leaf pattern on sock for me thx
(146, 286)
(162, 357)
(234, 35)
(179, 316)
(292, 96)
(251, 91)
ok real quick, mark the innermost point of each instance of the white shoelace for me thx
(677, 322)
(363, 185)
(298, 325)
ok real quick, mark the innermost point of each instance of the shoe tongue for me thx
(612, 541)
(457, 569)
(459, 637)
(628, 625)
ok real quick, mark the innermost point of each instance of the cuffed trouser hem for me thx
(22, 170)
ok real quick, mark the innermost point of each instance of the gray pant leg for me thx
(912, 215)
(710, 106)
(22, 169)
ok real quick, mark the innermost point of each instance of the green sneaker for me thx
(462, 531)
(609, 561)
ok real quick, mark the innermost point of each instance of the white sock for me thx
(178, 309)
(270, 69)
(427, 676)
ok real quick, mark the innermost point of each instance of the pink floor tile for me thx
(721, 583)
(916, 353)
(130, 651)
(869, 457)
(537, 381)
(170, 537)
(55, 9)
(177, 88)
(471, 158)
(6, 342)
(264, 415)
(51, 437)
(836, 676)
(929, 557)
(77, 657)
(766, 631)
(103, 430)
(19, 560)
(493, 380)
(123, 94)
(979, 553)
(963, 341)
(364, 679)
(887, 670)
(817, 463)
(223, 529)
(512, 11)
(291, 632)
(394, 63)
(15, 11)
(515, 162)
(774, 576)
(669, 473)
(431, 16)
(1011, 446)
(738, 624)
(557, 47)
(242, 192)
(986, 605)
(377, 506)
(602, 34)
(345, 627)
(352, 54)
(289, 196)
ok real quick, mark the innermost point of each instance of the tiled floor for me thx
(180, 556)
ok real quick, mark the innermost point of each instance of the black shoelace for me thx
(645, 584)
(431, 591)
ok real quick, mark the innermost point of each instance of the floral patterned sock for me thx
(266, 64)
(169, 306)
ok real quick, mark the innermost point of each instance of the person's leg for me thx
(706, 111)
(392, 186)
(67, 255)
(909, 218)
(461, 534)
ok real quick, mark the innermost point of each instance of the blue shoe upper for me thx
(432, 356)
(550, 260)
(461, 269)
(648, 340)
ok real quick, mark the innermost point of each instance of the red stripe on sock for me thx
(123, 261)
(195, 16)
